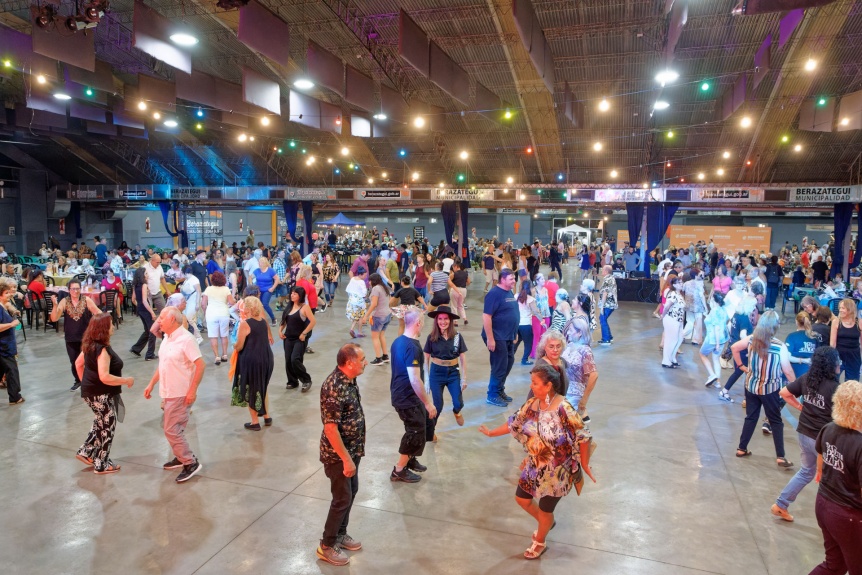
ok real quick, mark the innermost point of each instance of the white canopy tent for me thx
(575, 232)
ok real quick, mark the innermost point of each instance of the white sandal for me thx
(535, 550)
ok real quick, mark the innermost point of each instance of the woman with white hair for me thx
(742, 324)
(562, 311)
(581, 365)
(768, 370)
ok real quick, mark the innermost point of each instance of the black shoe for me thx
(767, 428)
(505, 397)
(385, 358)
(292, 385)
(376, 361)
(189, 471)
(309, 350)
(414, 465)
(133, 352)
(149, 358)
(306, 386)
(75, 386)
(173, 464)
(404, 475)
(498, 401)
(267, 421)
(252, 426)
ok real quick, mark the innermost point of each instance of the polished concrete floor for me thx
(671, 498)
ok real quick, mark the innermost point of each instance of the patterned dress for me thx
(552, 441)
(581, 363)
(356, 292)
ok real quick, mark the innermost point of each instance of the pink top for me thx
(177, 356)
(722, 284)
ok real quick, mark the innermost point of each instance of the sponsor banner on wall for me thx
(818, 195)
(627, 195)
(729, 194)
(310, 194)
(188, 193)
(726, 238)
(85, 194)
(402, 194)
(456, 194)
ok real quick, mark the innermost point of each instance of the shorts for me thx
(281, 290)
(546, 504)
(380, 324)
(709, 348)
(491, 275)
(218, 326)
(440, 298)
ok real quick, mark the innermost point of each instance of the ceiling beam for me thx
(91, 160)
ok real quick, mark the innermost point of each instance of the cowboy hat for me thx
(444, 309)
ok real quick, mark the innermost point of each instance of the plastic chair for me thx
(788, 296)
(49, 307)
(80, 277)
(49, 281)
(36, 307)
(833, 305)
(108, 304)
(19, 305)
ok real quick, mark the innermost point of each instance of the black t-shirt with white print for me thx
(817, 405)
(841, 449)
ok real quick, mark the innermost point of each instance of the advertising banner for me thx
(454, 194)
(829, 195)
(402, 194)
(728, 239)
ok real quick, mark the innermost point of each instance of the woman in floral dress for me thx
(558, 449)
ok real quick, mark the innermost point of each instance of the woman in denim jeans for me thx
(445, 363)
(817, 386)
(330, 278)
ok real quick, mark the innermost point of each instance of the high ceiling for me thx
(609, 49)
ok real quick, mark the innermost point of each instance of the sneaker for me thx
(189, 471)
(306, 386)
(133, 352)
(604, 342)
(150, 358)
(498, 401)
(376, 361)
(322, 310)
(717, 384)
(404, 475)
(779, 512)
(199, 340)
(272, 324)
(349, 543)
(172, 464)
(309, 350)
(505, 397)
(292, 385)
(332, 555)
(767, 429)
(385, 358)
(710, 381)
(723, 395)
(75, 386)
(414, 465)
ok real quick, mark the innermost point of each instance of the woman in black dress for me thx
(141, 301)
(297, 321)
(254, 363)
(100, 370)
(76, 311)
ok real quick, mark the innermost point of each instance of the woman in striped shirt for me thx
(768, 370)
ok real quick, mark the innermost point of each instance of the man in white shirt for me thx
(447, 262)
(250, 265)
(180, 371)
(156, 283)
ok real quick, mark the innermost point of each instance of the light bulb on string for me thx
(725, 155)
(604, 105)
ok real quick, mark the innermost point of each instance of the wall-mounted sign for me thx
(444, 194)
(418, 232)
(511, 211)
(134, 194)
(817, 195)
(11, 230)
(728, 239)
(383, 194)
(629, 195)
(187, 193)
(85, 194)
(726, 194)
(310, 194)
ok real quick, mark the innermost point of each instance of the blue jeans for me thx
(805, 474)
(502, 359)
(423, 291)
(265, 296)
(603, 320)
(771, 295)
(525, 336)
(448, 377)
(329, 290)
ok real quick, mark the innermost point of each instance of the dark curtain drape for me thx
(449, 210)
(291, 209)
(166, 207)
(76, 216)
(184, 235)
(659, 217)
(463, 212)
(843, 217)
(857, 254)
(307, 215)
(635, 212)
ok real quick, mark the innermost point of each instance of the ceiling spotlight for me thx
(441, 185)
(797, 148)
(666, 77)
(597, 146)
(745, 122)
(199, 113)
(661, 105)
(184, 39)
(845, 121)
(303, 84)
(726, 155)
(507, 115)
(384, 175)
(251, 138)
(720, 171)
(668, 164)
(199, 126)
(62, 96)
(463, 155)
(328, 160)
(45, 15)
(670, 134)
(682, 180)
(337, 171)
(345, 151)
(94, 11)
(88, 91)
(338, 121)
(747, 162)
(529, 149)
(142, 105)
(604, 105)
(304, 150)
(415, 176)
(381, 116)
(171, 123)
(351, 166)
(614, 173)
(370, 180)
(645, 186)
(785, 139)
(701, 176)
(560, 177)
(264, 121)
(821, 102)
(310, 160)
(242, 137)
(157, 116)
(41, 78)
(7, 63)
(292, 144)
(704, 87)
(510, 180)
(810, 65)
(419, 122)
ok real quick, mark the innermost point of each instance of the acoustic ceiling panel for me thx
(380, 129)
(42, 99)
(762, 61)
(101, 78)
(522, 10)
(264, 32)
(234, 119)
(260, 91)
(440, 67)
(18, 48)
(329, 116)
(764, 6)
(817, 117)
(537, 49)
(678, 19)
(851, 109)
(393, 104)
(359, 89)
(79, 91)
(156, 92)
(413, 43)
(59, 44)
(25, 118)
(85, 112)
(460, 84)
(740, 91)
(787, 25)
(151, 34)
(228, 96)
(360, 126)
(101, 128)
(548, 76)
(304, 110)
(121, 119)
(487, 102)
(325, 69)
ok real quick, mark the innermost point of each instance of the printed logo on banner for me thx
(377, 194)
(816, 195)
(186, 194)
(462, 194)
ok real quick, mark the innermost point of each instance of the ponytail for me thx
(804, 322)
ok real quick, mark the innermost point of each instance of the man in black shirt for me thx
(819, 268)
(199, 270)
(407, 389)
(774, 277)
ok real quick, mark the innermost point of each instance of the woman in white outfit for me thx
(695, 306)
(715, 339)
(672, 318)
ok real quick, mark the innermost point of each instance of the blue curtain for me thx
(307, 215)
(843, 216)
(659, 217)
(464, 211)
(291, 209)
(184, 235)
(635, 212)
(165, 208)
(857, 255)
(449, 210)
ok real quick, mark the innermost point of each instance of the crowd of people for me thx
(723, 304)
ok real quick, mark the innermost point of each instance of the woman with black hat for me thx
(445, 362)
